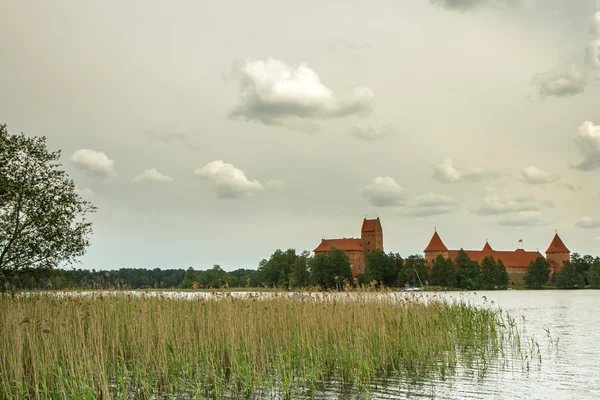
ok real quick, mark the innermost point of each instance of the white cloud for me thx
(432, 204)
(465, 5)
(588, 223)
(592, 53)
(535, 176)
(86, 192)
(595, 26)
(371, 133)
(152, 175)
(447, 173)
(496, 205)
(565, 83)
(93, 162)
(588, 144)
(524, 218)
(230, 181)
(384, 192)
(275, 184)
(272, 92)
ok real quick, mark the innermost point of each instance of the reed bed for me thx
(123, 347)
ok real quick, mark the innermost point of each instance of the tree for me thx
(378, 267)
(276, 270)
(331, 269)
(42, 218)
(594, 273)
(488, 266)
(414, 272)
(299, 277)
(538, 273)
(569, 277)
(443, 272)
(467, 271)
(500, 275)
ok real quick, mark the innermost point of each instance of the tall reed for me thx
(136, 347)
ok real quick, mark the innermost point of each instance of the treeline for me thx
(290, 270)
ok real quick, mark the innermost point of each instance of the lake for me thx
(569, 369)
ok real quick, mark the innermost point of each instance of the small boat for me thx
(413, 289)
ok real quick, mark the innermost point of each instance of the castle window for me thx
(368, 242)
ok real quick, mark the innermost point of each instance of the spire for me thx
(487, 247)
(557, 246)
(436, 244)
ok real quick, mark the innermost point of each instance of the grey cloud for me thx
(588, 223)
(524, 218)
(496, 205)
(447, 173)
(179, 135)
(384, 191)
(588, 144)
(432, 204)
(572, 188)
(274, 92)
(465, 5)
(569, 82)
(371, 133)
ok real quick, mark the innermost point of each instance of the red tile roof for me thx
(517, 258)
(343, 244)
(487, 248)
(557, 246)
(371, 225)
(436, 244)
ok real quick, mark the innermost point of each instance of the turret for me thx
(557, 254)
(434, 249)
(371, 235)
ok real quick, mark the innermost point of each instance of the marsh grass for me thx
(123, 346)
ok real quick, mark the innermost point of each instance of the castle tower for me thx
(434, 248)
(371, 235)
(557, 254)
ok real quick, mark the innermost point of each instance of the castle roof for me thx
(342, 244)
(371, 225)
(487, 248)
(517, 258)
(436, 244)
(557, 246)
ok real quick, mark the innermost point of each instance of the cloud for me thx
(592, 53)
(524, 218)
(86, 192)
(370, 133)
(275, 185)
(572, 188)
(595, 26)
(230, 181)
(588, 144)
(535, 176)
(181, 134)
(465, 5)
(447, 173)
(384, 192)
(496, 205)
(152, 175)
(588, 223)
(432, 204)
(94, 163)
(570, 82)
(274, 92)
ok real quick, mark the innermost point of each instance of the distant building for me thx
(516, 262)
(371, 238)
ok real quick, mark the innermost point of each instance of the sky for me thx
(217, 132)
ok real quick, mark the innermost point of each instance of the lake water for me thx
(570, 367)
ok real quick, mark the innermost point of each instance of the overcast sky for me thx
(217, 132)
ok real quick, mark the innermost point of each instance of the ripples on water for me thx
(565, 324)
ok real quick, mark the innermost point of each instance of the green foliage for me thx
(467, 272)
(414, 272)
(500, 275)
(488, 267)
(569, 277)
(381, 267)
(42, 218)
(538, 273)
(330, 270)
(594, 274)
(582, 264)
(443, 272)
(275, 271)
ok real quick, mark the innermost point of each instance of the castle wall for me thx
(557, 260)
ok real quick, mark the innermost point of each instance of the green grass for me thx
(119, 346)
